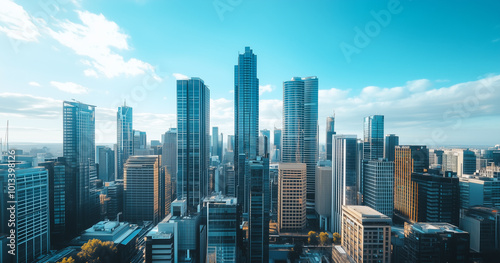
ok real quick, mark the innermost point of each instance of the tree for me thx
(336, 238)
(95, 251)
(323, 238)
(295, 253)
(313, 238)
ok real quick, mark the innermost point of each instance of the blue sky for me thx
(431, 67)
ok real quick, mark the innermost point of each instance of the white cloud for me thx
(265, 88)
(98, 39)
(418, 85)
(16, 23)
(70, 87)
(34, 84)
(29, 106)
(179, 76)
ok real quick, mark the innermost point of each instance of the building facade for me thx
(292, 196)
(125, 138)
(258, 215)
(378, 186)
(391, 141)
(330, 131)
(373, 144)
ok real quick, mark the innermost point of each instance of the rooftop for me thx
(430, 228)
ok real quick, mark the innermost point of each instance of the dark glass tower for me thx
(125, 138)
(79, 151)
(391, 141)
(373, 137)
(169, 158)
(193, 140)
(330, 131)
(300, 126)
(246, 117)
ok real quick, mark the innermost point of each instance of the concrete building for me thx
(459, 161)
(292, 196)
(366, 234)
(323, 196)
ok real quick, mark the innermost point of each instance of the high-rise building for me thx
(435, 242)
(479, 191)
(330, 131)
(323, 195)
(106, 171)
(169, 157)
(258, 214)
(193, 140)
(264, 142)
(435, 158)
(31, 212)
(438, 197)
(459, 161)
(79, 152)
(378, 186)
(56, 169)
(215, 142)
(373, 137)
(125, 138)
(391, 141)
(483, 225)
(277, 138)
(141, 189)
(222, 222)
(366, 234)
(291, 196)
(115, 202)
(140, 143)
(408, 160)
(344, 176)
(246, 119)
(300, 127)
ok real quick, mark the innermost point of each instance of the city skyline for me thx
(444, 96)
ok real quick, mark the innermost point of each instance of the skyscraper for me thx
(125, 138)
(330, 131)
(264, 142)
(140, 141)
(258, 221)
(79, 152)
(391, 141)
(246, 118)
(31, 212)
(215, 142)
(193, 140)
(300, 126)
(291, 196)
(106, 170)
(276, 149)
(373, 137)
(345, 176)
(141, 189)
(408, 160)
(169, 157)
(378, 186)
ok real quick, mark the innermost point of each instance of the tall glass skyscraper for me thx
(125, 138)
(79, 152)
(373, 137)
(330, 131)
(344, 176)
(391, 141)
(169, 157)
(193, 140)
(300, 126)
(246, 117)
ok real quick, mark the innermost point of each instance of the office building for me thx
(169, 157)
(323, 195)
(483, 225)
(264, 142)
(436, 159)
(56, 169)
(79, 152)
(435, 242)
(258, 214)
(438, 197)
(366, 234)
(106, 171)
(222, 222)
(373, 144)
(408, 160)
(330, 131)
(300, 127)
(215, 143)
(140, 142)
(479, 191)
(115, 202)
(193, 140)
(141, 189)
(277, 138)
(246, 119)
(459, 161)
(31, 212)
(378, 186)
(391, 141)
(125, 138)
(344, 177)
(292, 196)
